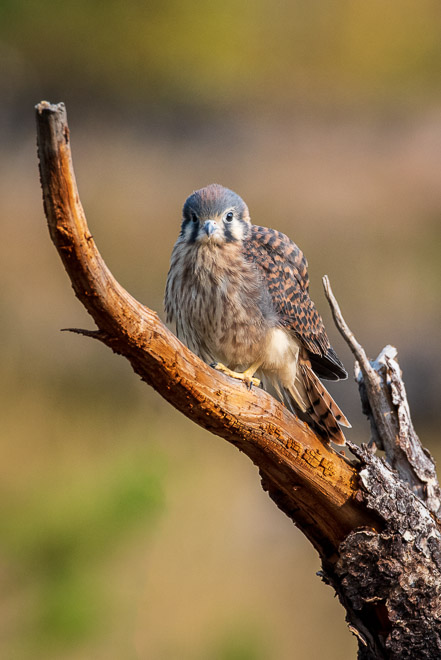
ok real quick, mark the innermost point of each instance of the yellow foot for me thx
(246, 376)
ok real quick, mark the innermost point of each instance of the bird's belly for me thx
(241, 344)
(220, 324)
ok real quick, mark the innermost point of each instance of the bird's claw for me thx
(250, 381)
(244, 377)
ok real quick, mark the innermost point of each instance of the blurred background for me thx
(127, 531)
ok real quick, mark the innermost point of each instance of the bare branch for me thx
(380, 545)
(313, 484)
(377, 395)
(385, 403)
(356, 348)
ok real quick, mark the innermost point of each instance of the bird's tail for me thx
(309, 398)
(322, 409)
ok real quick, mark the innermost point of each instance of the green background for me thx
(126, 531)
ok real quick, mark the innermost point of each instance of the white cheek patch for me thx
(188, 231)
(236, 229)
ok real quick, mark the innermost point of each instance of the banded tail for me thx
(321, 408)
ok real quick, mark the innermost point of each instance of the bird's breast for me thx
(216, 297)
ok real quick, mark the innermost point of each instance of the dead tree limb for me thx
(374, 528)
(385, 403)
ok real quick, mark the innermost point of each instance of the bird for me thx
(238, 294)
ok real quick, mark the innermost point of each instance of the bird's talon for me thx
(249, 382)
(244, 377)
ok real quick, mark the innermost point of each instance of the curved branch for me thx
(308, 480)
(379, 542)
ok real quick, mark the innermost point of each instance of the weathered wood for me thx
(317, 485)
(379, 543)
(390, 581)
(385, 403)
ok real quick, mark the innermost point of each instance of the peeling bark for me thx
(402, 446)
(372, 520)
(393, 576)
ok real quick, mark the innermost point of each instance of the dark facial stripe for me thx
(194, 231)
(229, 238)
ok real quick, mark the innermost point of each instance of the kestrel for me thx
(239, 295)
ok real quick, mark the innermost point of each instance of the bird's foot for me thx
(247, 376)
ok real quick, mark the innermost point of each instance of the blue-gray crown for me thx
(212, 201)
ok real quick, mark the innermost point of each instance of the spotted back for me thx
(285, 272)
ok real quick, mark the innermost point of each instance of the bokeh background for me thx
(127, 531)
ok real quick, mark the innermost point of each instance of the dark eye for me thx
(194, 217)
(229, 216)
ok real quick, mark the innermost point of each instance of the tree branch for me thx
(384, 397)
(313, 484)
(367, 522)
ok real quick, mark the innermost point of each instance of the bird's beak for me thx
(210, 227)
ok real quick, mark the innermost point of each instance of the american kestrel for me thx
(239, 296)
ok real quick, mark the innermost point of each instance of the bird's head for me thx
(214, 216)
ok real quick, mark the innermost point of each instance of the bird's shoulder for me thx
(284, 270)
(274, 251)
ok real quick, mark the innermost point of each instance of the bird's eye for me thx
(194, 217)
(229, 216)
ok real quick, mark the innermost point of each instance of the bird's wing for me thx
(285, 271)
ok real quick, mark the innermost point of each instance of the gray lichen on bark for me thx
(394, 575)
(389, 579)
(404, 451)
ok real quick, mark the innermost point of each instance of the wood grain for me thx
(307, 479)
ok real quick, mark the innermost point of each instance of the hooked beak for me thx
(210, 227)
